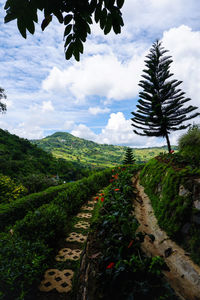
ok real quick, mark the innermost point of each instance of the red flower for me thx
(111, 180)
(116, 190)
(172, 151)
(96, 198)
(113, 170)
(102, 199)
(110, 266)
(102, 194)
(130, 244)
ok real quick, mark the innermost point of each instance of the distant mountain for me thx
(20, 159)
(65, 145)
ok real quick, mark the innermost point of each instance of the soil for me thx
(184, 275)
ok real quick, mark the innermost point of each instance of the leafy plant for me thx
(125, 272)
(9, 190)
(47, 223)
(189, 144)
(22, 265)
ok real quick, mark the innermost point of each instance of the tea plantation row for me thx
(33, 226)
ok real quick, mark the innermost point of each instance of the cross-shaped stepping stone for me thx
(59, 280)
(84, 215)
(76, 237)
(91, 203)
(67, 253)
(85, 207)
(82, 224)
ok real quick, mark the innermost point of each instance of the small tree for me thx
(2, 96)
(161, 105)
(129, 158)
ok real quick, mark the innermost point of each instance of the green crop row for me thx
(27, 246)
(11, 212)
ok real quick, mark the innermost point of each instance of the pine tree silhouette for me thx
(161, 106)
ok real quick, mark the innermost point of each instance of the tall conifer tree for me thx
(161, 106)
(129, 158)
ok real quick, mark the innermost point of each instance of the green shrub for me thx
(22, 265)
(38, 182)
(47, 223)
(78, 192)
(16, 210)
(70, 196)
(189, 144)
(9, 190)
(162, 181)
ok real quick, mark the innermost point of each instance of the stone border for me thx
(184, 275)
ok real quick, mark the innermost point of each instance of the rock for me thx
(183, 192)
(185, 229)
(196, 219)
(197, 204)
(168, 252)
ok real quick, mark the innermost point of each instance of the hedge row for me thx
(10, 213)
(25, 249)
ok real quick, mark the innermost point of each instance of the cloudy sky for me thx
(94, 98)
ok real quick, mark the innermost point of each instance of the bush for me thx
(38, 182)
(78, 192)
(189, 144)
(22, 265)
(9, 190)
(47, 223)
(70, 196)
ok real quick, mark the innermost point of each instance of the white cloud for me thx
(47, 106)
(184, 47)
(47, 93)
(82, 131)
(98, 110)
(102, 75)
(118, 131)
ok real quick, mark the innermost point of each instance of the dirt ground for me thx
(184, 275)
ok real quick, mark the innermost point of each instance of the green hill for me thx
(65, 145)
(23, 161)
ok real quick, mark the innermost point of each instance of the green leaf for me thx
(67, 19)
(116, 28)
(46, 22)
(7, 5)
(103, 18)
(76, 54)
(97, 14)
(59, 16)
(120, 3)
(31, 27)
(67, 29)
(9, 17)
(79, 45)
(69, 52)
(68, 40)
(22, 27)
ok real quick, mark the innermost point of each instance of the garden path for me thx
(184, 275)
(58, 282)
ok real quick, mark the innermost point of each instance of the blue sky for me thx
(93, 98)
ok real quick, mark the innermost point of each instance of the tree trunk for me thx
(168, 142)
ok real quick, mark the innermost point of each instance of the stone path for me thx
(184, 275)
(61, 280)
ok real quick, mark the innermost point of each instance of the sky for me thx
(93, 99)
